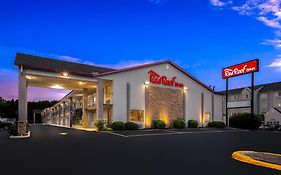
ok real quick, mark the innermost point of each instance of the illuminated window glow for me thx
(137, 115)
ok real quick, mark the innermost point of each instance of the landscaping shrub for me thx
(131, 126)
(244, 121)
(216, 124)
(179, 123)
(159, 124)
(118, 125)
(192, 124)
(100, 125)
(108, 125)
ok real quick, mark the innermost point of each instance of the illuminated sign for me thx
(155, 78)
(240, 69)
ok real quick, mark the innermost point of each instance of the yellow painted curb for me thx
(238, 155)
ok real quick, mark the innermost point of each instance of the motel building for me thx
(141, 94)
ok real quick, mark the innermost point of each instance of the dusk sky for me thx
(201, 36)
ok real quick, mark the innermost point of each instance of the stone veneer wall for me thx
(163, 103)
(21, 128)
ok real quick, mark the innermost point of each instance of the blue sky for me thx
(202, 36)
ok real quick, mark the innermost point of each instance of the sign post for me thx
(237, 70)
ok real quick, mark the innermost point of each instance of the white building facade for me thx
(142, 94)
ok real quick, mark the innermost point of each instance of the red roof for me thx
(153, 64)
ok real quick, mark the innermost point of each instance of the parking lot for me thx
(188, 151)
(159, 132)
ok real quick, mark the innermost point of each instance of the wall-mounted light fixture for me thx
(28, 77)
(185, 89)
(146, 83)
(65, 74)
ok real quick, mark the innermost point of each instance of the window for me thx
(137, 115)
(247, 96)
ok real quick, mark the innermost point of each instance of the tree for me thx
(9, 108)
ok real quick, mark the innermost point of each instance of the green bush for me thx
(159, 124)
(216, 124)
(100, 125)
(13, 130)
(244, 121)
(108, 125)
(192, 124)
(131, 126)
(179, 123)
(118, 126)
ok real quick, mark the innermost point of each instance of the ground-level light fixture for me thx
(65, 74)
(57, 86)
(146, 83)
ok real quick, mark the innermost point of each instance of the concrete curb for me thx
(81, 129)
(21, 137)
(241, 156)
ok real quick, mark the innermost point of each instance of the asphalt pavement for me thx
(82, 152)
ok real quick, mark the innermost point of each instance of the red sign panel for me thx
(155, 78)
(240, 69)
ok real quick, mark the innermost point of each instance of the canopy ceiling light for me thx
(81, 83)
(57, 86)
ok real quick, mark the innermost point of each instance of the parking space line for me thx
(189, 132)
(116, 134)
(171, 132)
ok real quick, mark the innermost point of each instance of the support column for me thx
(71, 111)
(22, 111)
(90, 119)
(85, 122)
(63, 114)
(100, 100)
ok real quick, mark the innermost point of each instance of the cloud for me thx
(69, 58)
(273, 42)
(266, 11)
(270, 22)
(158, 2)
(219, 3)
(74, 59)
(276, 63)
(9, 79)
(128, 63)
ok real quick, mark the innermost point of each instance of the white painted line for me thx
(173, 131)
(189, 132)
(113, 133)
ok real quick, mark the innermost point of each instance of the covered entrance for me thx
(88, 94)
